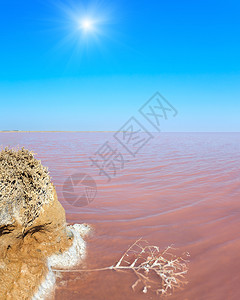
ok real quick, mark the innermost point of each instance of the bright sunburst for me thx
(84, 28)
(86, 24)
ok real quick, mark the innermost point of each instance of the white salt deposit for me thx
(68, 259)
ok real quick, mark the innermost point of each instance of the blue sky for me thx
(53, 76)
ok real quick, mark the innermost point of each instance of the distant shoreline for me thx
(62, 131)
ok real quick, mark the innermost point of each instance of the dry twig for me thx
(157, 271)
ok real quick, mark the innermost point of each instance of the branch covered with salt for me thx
(160, 272)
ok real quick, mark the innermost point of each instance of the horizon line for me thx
(62, 131)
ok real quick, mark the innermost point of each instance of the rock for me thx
(32, 224)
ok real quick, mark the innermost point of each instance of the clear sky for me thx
(57, 74)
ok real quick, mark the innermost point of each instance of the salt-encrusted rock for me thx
(32, 226)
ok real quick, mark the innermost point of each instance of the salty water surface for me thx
(181, 189)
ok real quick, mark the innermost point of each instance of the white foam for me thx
(67, 259)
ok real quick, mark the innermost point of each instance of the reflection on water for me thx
(181, 189)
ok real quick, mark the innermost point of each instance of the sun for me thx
(86, 24)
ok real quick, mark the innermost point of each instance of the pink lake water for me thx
(181, 189)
